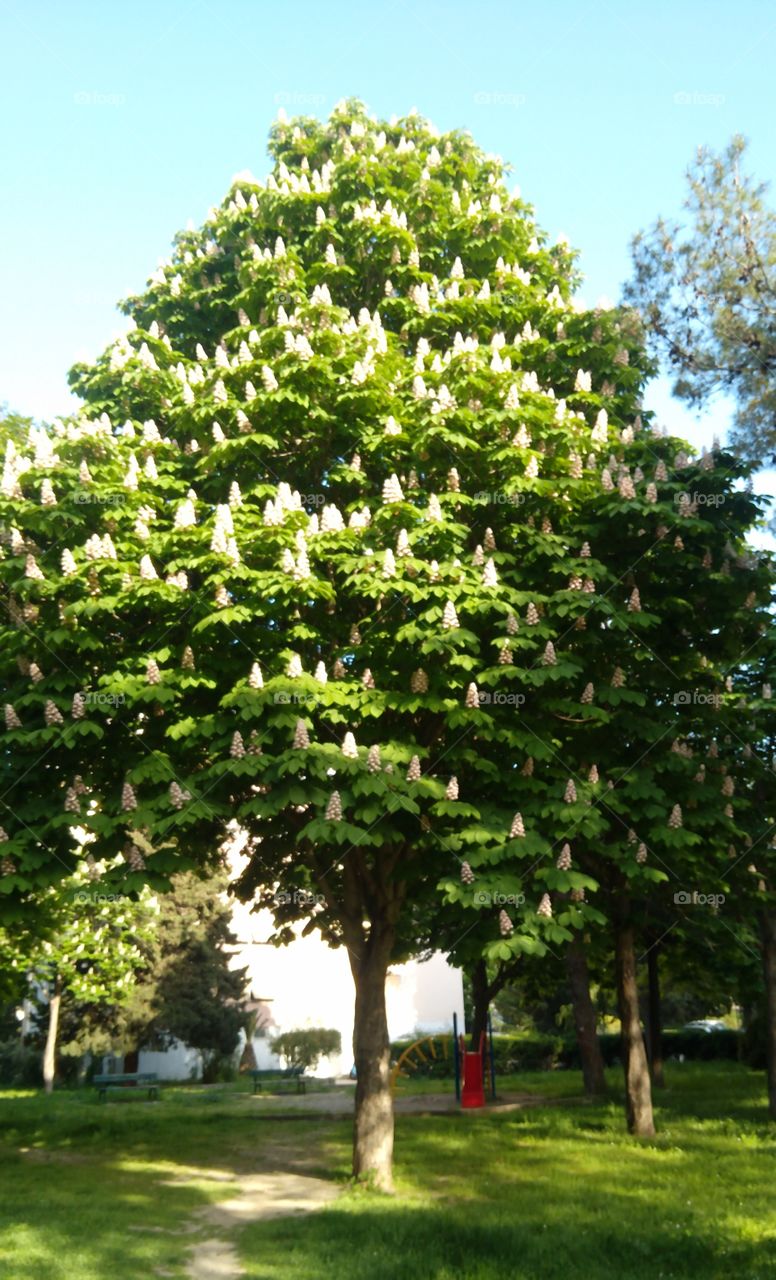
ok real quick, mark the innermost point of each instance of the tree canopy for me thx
(363, 542)
(707, 291)
(185, 987)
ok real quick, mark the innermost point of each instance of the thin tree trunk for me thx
(584, 1018)
(373, 1129)
(655, 1016)
(481, 997)
(638, 1089)
(768, 937)
(50, 1050)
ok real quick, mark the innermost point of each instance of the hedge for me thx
(511, 1053)
(548, 1053)
(20, 1065)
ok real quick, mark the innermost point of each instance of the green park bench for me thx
(130, 1079)
(289, 1081)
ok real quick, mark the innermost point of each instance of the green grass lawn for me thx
(94, 1191)
(545, 1084)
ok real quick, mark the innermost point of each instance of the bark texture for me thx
(373, 1128)
(638, 1086)
(50, 1049)
(481, 998)
(585, 1019)
(768, 936)
(655, 1016)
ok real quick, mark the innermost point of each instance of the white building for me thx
(308, 984)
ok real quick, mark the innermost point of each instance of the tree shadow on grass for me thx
(222, 1135)
(533, 1195)
(539, 1195)
(451, 1243)
(89, 1192)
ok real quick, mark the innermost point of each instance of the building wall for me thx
(177, 1063)
(308, 984)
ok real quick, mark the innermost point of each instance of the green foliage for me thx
(88, 944)
(706, 291)
(185, 987)
(363, 542)
(306, 1046)
(531, 1051)
(20, 1064)
(537, 998)
(94, 944)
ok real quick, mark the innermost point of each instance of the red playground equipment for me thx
(473, 1090)
(473, 1071)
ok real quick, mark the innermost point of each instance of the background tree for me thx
(199, 995)
(305, 1047)
(585, 1016)
(185, 987)
(707, 292)
(560, 990)
(678, 603)
(752, 869)
(87, 945)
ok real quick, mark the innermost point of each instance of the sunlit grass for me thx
(90, 1191)
(557, 1192)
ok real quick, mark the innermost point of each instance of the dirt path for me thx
(339, 1102)
(256, 1197)
(259, 1196)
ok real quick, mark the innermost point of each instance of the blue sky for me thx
(121, 122)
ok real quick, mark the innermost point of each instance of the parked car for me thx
(706, 1024)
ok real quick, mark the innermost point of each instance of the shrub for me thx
(547, 1053)
(511, 1053)
(305, 1047)
(19, 1064)
(701, 1046)
(219, 1069)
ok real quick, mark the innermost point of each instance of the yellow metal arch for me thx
(420, 1052)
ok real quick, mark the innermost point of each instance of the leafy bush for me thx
(511, 1053)
(702, 1046)
(547, 1053)
(221, 1069)
(20, 1064)
(306, 1046)
(527, 1053)
(754, 1051)
(695, 1046)
(608, 1042)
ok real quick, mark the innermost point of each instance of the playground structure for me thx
(470, 1068)
(420, 1053)
(472, 1092)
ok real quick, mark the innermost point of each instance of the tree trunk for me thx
(373, 1131)
(584, 1018)
(131, 1061)
(768, 936)
(638, 1089)
(50, 1051)
(481, 997)
(655, 1016)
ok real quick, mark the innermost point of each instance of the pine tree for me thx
(705, 286)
